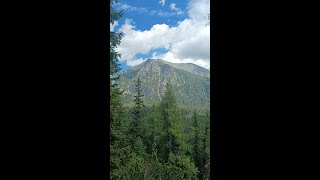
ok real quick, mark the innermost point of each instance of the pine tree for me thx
(153, 131)
(196, 144)
(137, 129)
(119, 147)
(136, 166)
(115, 39)
(170, 115)
(206, 149)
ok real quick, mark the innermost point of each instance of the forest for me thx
(162, 141)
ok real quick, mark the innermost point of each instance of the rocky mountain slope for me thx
(190, 82)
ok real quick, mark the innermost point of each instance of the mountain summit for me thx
(189, 67)
(191, 83)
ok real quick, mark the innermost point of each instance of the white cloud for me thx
(165, 14)
(188, 42)
(162, 2)
(200, 40)
(112, 26)
(171, 57)
(134, 62)
(135, 41)
(129, 8)
(161, 13)
(199, 10)
(173, 7)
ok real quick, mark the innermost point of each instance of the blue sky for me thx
(164, 29)
(146, 13)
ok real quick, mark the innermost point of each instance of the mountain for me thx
(191, 83)
(189, 67)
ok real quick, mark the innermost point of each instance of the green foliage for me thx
(181, 167)
(196, 143)
(137, 127)
(153, 130)
(135, 167)
(119, 146)
(163, 141)
(138, 147)
(206, 150)
(171, 138)
(175, 144)
(115, 39)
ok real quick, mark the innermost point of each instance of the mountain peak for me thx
(154, 60)
(191, 82)
(189, 67)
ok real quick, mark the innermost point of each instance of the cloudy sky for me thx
(176, 31)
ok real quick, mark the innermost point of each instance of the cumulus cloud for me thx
(188, 42)
(199, 10)
(142, 42)
(162, 2)
(186, 47)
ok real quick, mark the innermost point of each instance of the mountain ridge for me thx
(190, 82)
(189, 67)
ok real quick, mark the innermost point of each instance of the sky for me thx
(176, 31)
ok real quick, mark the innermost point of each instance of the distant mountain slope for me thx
(189, 67)
(190, 82)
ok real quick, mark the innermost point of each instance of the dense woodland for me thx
(161, 141)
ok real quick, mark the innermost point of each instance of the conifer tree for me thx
(170, 115)
(137, 129)
(119, 147)
(206, 149)
(153, 132)
(196, 144)
(174, 163)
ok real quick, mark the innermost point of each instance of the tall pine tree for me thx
(206, 149)
(119, 147)
(171, 139)
(137, 129)
(152, 133)
(196, 144)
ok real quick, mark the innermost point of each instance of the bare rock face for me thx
(149, 90)
(190, 82)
